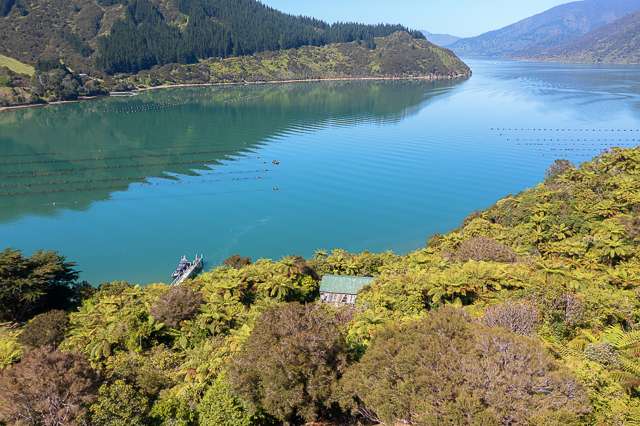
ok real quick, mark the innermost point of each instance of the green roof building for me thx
(341, 289)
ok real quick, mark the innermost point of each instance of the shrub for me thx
(445, 369)
(291, 363)
(48, 388)
(484, 249)
(221, 407)
(179, 304)
(559, 167)
(518, 317)
(237, 262)
(119, 403)
(46, 329)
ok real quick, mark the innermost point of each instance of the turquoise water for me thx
(125, 186)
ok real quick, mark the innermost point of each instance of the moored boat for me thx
(187, 269)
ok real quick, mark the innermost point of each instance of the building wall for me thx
(338, 298)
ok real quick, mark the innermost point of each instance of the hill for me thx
(527, 314)
(126, 36)
(396, 56)
(616, 43)
(537, 34)
(442, 40)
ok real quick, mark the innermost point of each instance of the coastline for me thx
(241, 83)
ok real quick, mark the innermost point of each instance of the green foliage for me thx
(217, 28)
(10, 349)
(291, 363)
(113, 320)
(220, 407)
(37, 284)
(119, 404)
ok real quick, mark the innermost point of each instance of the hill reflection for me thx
(69, 156)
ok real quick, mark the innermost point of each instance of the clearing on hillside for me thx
(16, 66)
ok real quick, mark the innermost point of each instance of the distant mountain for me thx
(540, 33)
(616, 43)
(126, 36)
(442, 40)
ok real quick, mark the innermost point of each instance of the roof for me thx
(343, 284)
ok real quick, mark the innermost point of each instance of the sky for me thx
(458, 17)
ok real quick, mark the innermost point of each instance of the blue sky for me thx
(458, 17)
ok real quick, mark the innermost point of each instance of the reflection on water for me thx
(70, 156)
(125, 186)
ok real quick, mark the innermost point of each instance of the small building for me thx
(342, 289)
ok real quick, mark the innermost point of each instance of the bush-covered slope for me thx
(396, 56)
(535, 35)
(527, 314)
(131, 35)
(617, 43)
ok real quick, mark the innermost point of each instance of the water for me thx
(125, 186)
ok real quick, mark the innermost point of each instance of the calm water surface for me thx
(125, 186)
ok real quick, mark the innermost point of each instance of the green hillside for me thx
(396, 56)
(527, 314)
(116, 36)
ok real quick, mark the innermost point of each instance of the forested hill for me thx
(539, 33)
(617, 43)
(126, 36)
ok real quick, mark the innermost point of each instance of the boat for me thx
(187, 269)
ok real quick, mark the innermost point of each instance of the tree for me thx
(29, 286)
(484, 249)
(291, 363)
(445, 369)
(46, 329)
(178, 304)
(47, 388)
(221, 407)
(119, 404)
(559, 167)
(237, 262)
(518, 317)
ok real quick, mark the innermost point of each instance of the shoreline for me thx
(237, 83)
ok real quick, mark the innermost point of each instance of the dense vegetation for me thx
(527, 314)
(52, 82)
(396, 56)
(118, 36)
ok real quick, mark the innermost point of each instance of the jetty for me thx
(187, 269)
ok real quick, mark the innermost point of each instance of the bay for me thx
(125, 186)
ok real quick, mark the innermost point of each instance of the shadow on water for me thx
(69, 156)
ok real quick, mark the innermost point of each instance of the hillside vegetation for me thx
(527, 314)
(116, 36)
(557, 26)
(16, 66)
(396, 56)
(616, 43)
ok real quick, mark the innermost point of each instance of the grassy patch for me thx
(16, 66)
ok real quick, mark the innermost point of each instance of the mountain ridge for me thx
(442, 40)
(616, 43)
(537, 34)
